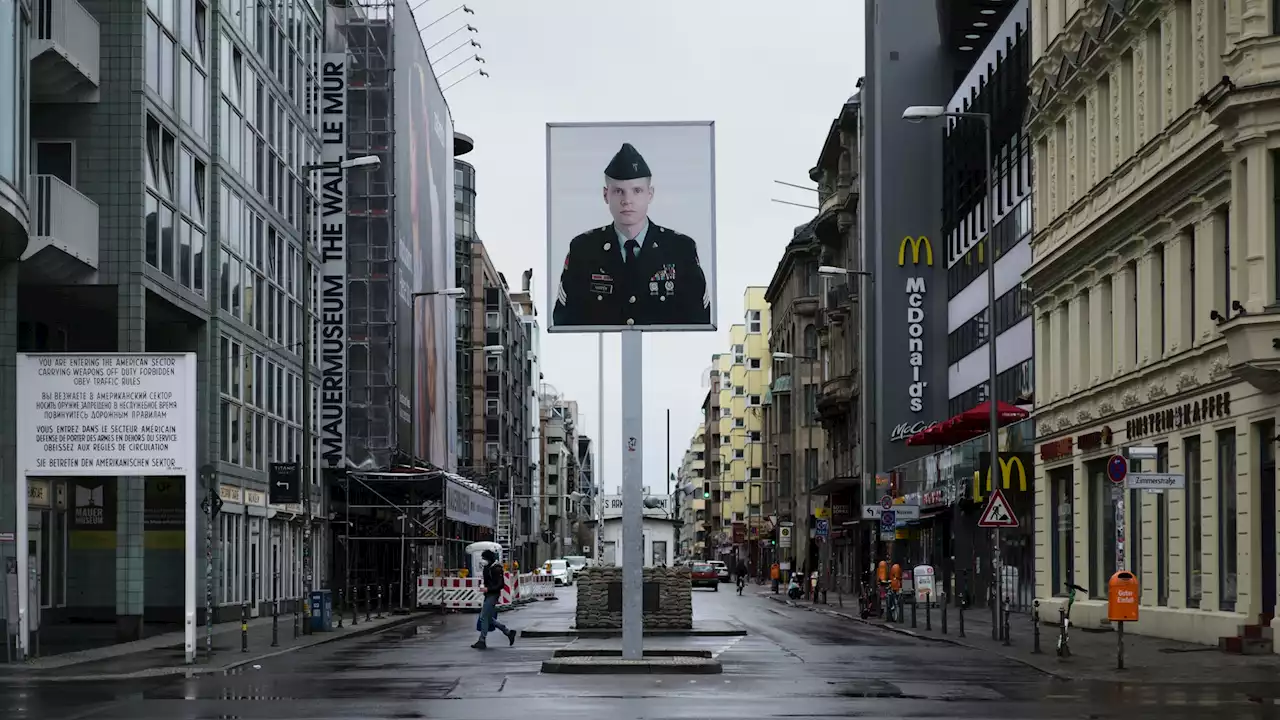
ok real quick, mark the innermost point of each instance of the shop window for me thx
(1062, 482)
(1191, 517)
(1227, 549)
(1162, 530)
(1102, 530)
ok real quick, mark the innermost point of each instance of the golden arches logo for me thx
(1006, 473)
(916, 244)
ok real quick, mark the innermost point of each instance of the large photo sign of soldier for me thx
(631, 226)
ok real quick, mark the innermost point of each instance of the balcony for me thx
(64, 52)
(1253, 348)
(837, 394)
(805, 305)
(839, 303)
(64, 233)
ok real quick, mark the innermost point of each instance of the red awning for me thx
(979, 416)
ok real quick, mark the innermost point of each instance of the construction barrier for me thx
(459, 593)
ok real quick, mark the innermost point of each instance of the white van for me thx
(576, 562)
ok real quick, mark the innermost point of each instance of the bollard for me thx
(244, 627)
(942, 606)
(1035, 627)
(354, 601)
(368, 603)
(961, 612)
(295, 619)
(379, 602)
(928, 611)
(1120, 645)
(1005, 628)
(275, 623)
(341, 607)
(914, 606)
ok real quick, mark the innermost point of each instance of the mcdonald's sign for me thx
(916, 244)
(1023, 463)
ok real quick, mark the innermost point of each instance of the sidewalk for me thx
(1148, 660)
(165, 655)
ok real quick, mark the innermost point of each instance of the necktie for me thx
(632, 248)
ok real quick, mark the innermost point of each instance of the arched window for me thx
(810, 341)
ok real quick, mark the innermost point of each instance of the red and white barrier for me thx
(455, 593)
(452, 593)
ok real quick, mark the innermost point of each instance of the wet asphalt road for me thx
(793, 664)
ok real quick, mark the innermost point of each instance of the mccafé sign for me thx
(916, 292)
(1011, 465)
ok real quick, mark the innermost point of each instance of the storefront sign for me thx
(93, 504)
(1212, 407)
(903, 431)
(1094, 440)
(230, 494)
(464, 505)
(112, 414)
(255, 498)
(38, 493)
(915, 337)
(1055, 449)
(333, 255)
(933, 498)
(1011, 465)
(611, 506)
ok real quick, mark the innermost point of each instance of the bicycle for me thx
(1064, 620)
(742, 583)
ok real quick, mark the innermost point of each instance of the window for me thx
(1157, 270)
(1127, 117)
(753, 321)
(1102, 530)
(1155, 79)
(753, 400)
(1227, 559)
(738, 355)
(786, 477)
(491, 407)
(810, 341)
(753, 363)
(1162, 530)
(739, 422)
(1223, 224)
(1063, 531)
(755, 473)
(810, 403)
(811, 468)
(1104, 126)
(739, 454)
(1191, 517)
(1189, 284)
(754, 436)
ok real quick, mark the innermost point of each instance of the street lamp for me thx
(918, 113)
(369, 163)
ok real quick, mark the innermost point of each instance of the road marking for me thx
(726, 646)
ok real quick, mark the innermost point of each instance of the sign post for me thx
(107, 415)
(1117, 471)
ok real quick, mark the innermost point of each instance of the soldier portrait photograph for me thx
(635, 271)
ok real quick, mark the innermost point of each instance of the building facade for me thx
(527, 494)
(742, 380)
(692, 495)
(559, 420)
(1153, 271)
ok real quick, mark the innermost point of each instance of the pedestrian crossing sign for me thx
(998, 513)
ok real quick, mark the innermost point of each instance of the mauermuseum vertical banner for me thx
(631, 226)
(333, 261)
(424, 230)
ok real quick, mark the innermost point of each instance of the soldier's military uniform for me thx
(655, 279)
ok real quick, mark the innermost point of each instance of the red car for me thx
(704, 575)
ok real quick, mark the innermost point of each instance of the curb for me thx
(921, 636)
(596, 665)
(31, 676)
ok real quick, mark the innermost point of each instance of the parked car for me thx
(722, 570)
(560, 572)
(577, 563)
(704, 575)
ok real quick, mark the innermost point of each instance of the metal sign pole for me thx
(632, 494)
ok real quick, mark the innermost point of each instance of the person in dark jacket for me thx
(494, 579)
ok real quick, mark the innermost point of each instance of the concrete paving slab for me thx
(615, 665)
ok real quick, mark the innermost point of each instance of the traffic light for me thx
(706, 495)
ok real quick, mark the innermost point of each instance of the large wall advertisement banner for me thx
(332, 237)
(424, 230)
(631, 230)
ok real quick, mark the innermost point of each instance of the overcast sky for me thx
(772, 74)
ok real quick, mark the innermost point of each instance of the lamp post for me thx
(369, 163)
(918, 113)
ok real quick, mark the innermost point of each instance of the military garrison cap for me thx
(627, 164)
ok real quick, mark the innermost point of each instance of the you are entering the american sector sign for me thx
(106, 414)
